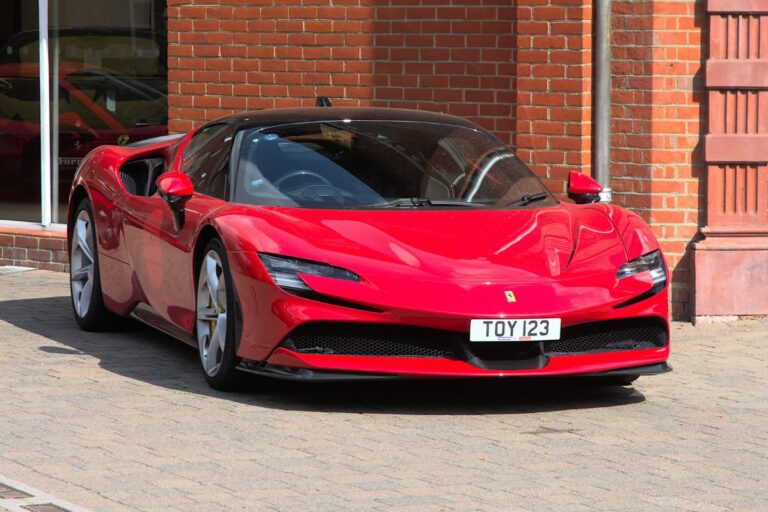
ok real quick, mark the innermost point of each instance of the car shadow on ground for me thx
(140, 353)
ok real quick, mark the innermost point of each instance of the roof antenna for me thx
(323, 101)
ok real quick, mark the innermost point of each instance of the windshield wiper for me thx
(405, 202)
(457, 203)
(423, 202)
(531, 198)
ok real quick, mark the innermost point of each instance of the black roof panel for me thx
(277, 116)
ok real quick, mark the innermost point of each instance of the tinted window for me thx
(206, 160)
(380, 164)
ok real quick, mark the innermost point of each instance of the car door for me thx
(161, 256)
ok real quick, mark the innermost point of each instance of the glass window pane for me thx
(109, 79)
(19, 116)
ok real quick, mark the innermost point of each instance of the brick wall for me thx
(554, 89)
(230, 55)
(658, 121)
(46, 250)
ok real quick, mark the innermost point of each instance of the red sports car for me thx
(335, 243)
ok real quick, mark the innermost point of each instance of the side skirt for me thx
(146, 315)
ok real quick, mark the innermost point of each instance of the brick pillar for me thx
(554, 88)
(731, 263)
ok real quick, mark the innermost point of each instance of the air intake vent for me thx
(364, 339)
(616, 336)
(371, 340)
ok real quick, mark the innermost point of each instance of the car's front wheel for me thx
(216, 318)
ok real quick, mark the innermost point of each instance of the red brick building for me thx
(522, 69)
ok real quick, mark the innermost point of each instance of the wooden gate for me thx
(731, 263)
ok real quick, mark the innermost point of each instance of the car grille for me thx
(371, 340)
(615, 336)
(366, 339)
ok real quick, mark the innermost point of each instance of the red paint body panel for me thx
(634, 232)
(427, 268)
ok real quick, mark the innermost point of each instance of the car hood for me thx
(451, 260)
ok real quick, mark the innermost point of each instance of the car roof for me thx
(278, 116)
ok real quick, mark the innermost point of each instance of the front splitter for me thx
(305, 374)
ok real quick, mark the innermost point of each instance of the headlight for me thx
(652, 262)
(285, 271)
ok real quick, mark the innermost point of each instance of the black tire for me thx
(96, 317)
(226, 377)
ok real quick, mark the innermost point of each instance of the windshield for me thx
(382, 164)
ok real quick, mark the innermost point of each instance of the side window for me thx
(206, 160)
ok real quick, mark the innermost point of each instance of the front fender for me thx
(633, 230)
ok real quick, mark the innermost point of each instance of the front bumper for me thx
(412, 351)
(270, 342)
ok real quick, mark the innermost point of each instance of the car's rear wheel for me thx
(85, 282)
(216, 318)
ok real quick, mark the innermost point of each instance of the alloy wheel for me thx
(81, 267)
(211, 313)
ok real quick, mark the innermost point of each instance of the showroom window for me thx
(107, 82)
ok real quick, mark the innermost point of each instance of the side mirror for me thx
(175, 188)
(583, 189)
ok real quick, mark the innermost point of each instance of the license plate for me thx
(530, 329)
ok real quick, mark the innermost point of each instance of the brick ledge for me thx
(36, 248)
(44, 233)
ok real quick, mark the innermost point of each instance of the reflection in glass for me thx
(109, 81)
(19, 120)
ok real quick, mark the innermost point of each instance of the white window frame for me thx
(46, 198)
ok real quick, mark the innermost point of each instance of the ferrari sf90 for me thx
(328, 243)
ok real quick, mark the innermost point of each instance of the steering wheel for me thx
(318, 187)
(301, 173)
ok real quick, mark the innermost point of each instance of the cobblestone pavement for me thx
(124, 421)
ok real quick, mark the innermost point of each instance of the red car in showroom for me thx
(333, 243)
(95, 107)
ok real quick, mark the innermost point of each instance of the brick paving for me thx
(124, 421)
